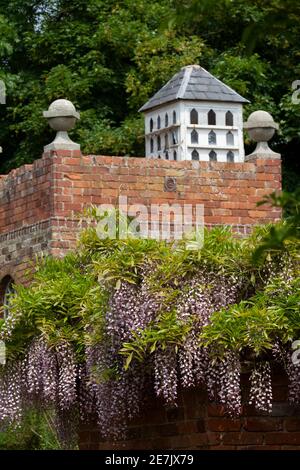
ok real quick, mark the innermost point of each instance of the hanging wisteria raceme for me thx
(135, 381)
(118, 393)
(117, 401)
(204, 295)
(191, 356)
(223, 383)
(225, 290)
(66, 426)
(67, 376)
(278, 352)
(105, 390)
(86, 392)
(131, 308)
(113, 394)
(35, 369)
(11, 406)
(166, 374)
(40, 372)
(32, 368)
(44, 378)
(229, 393)
(283, 269)
(212, 379)
(283, 355)
(293, 372)
(261, 388)
(9, 325)
(50, 373)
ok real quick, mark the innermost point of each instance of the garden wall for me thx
(40, 203)
(39, 213)
(198, 424)
(26, 205)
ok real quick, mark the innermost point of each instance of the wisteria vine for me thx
(149, 340)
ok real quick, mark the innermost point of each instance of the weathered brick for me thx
(223, 424)
(290, 447)
(262, 447)
(215, 410)
(190, 427)
(282, 409)
(263, 424)
(221, 447)
(292, 424)
(175, 414)
(242, 438)
(282, 438)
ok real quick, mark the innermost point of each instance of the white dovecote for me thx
(195, 117)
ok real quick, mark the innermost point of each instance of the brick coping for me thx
(52, 222)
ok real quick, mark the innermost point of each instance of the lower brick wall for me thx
(197, 424)
(19, 248)
(55, 236)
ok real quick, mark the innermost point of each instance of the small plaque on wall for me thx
(170, 184)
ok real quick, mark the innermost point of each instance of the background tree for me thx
(110, 56)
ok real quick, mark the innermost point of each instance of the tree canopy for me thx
(110, 56)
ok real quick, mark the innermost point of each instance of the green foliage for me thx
(37, 432)
(168, 331)
(165, 53)
(255, 324)
(63, 299)
(68, 295)
(69, 298)
(240, 72)
(273, 312)
(280, 236)
(7, 37)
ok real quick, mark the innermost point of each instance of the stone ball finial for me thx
(62, 117)
(261, 128)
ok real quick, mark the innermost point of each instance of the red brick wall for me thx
(198, 424)
(26, 204)
(229, 191)
(26, 195)
(39, 203)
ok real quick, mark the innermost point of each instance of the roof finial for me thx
(261, 128)
(192, 66)
(62, 117)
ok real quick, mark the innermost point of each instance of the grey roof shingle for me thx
(193, 83)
